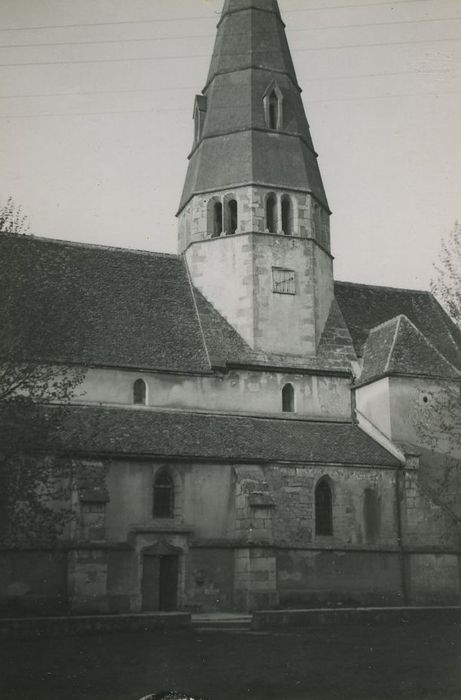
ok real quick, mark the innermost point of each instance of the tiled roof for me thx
(103, 306)
(398, 347)
(364, 307)
(144, 432)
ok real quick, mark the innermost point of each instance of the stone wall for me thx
(308, 219)
(236, 274)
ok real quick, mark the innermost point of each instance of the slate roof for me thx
(104, 306)
(398, 347)
(365, 306)
(144, 432)
(250, 52)
(112, 307)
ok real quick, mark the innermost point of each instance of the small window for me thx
(323, 509)
(139, 392)
(288, 399)
(271, 213)
(217, 219)
(95, 507)
(232, 216)
(283, 281)
(287, 218)
(163, 496)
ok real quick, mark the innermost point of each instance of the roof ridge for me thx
(293, 418)
(85, 244)
(399, 319)
(194, 301)
(429, 344)
(381, 286)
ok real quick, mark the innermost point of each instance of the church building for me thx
(252, 433)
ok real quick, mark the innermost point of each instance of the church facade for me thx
(259, 435)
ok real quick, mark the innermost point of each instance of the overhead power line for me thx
(183, 109)
(359, 76)
(203, 17)
(189, 56)
(210, 36)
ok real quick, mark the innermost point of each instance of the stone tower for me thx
(253, 217)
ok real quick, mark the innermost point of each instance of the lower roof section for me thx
(185, 435)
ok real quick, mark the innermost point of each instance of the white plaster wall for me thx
(235, 274)
(324, 288)
(238, 391)
(284, 323)
(373, 401)
(433, 423)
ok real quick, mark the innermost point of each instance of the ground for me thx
(415, 660)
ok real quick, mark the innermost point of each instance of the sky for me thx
(96, 101)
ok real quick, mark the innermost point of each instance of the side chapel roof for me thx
(398, 347)
(364, 307)
(94, 430)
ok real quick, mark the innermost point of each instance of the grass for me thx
(417, 661)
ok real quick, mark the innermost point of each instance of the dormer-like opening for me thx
(273, 106)
(271, 213)
(287, 215)
(231, 215)
(288, 398)
(140, 392)
(199, 116)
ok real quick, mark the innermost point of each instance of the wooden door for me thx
(168, 582)
(150, 583)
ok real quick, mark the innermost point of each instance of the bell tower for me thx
(253, 216)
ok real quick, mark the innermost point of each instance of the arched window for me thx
(217, 219)
(323, 509)
(271, 213)
(232, 216)
(287, 218)
(163, 495)
(139, 392)
(288, 399)
(371, 515)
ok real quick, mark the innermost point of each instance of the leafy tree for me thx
(447, 282)
(36, 491)
(12, 220)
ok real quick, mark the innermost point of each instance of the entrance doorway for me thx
(160, 578)
(168, 583)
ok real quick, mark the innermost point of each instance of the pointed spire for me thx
(238, 141)
(251, 35)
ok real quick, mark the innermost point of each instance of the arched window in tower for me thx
(139, 392)
(231, 216)
(288, 398)
(273, 106)
(323, 508)
(287, 215)
(217, 219)
(163, 506)
(271, 213)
